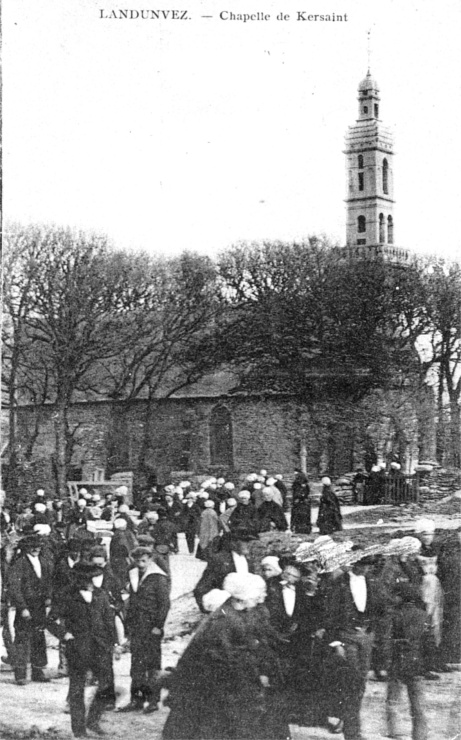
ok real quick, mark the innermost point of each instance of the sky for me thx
(195, 134)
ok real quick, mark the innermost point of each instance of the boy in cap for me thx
(82, 618)
(148, 608)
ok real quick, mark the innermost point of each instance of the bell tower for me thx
(370, 183)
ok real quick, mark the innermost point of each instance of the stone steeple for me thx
(370, 183)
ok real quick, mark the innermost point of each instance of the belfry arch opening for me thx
(385, 177)
(382, 236)
(390, 230)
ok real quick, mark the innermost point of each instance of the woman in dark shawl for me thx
(227, 681)
(329, 519)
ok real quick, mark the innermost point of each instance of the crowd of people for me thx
(382, 483)
(285, 637)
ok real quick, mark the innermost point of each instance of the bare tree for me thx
(99, 324)
(443, 305)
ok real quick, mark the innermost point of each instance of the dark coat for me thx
(408, 629)
(92, 625)
(244, 517)
(216, 690)
(340, 612)
(173, 512)
(268, 514)
(214, 574)
(112, 588)
(191, 518)
(394, 573)
(25, 589)
(280, 620)
(121, 545)
(329, 518)
(300, 487)
(75, 520)
(164, 533)
(301, 516)
(148, 606)
(284, 491)
(62, 576)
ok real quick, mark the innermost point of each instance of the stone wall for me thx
(439, 483)
(173, 434)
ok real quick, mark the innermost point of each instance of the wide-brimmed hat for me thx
(403, 546)
(329, 554)
(87, 571)
(31, 541)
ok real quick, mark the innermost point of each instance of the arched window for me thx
(221, 443)
(360, 161)
(390, 230)
(385, 176)
(382, 238)
(361, 224)
(184, 436)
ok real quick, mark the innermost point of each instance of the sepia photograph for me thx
(231, 370)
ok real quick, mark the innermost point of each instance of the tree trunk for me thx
(440, 429)
(454, 392)
(12, 480)
(60, 426)
(455, 432)
(303, 455)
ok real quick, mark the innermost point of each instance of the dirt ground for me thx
(38, 710)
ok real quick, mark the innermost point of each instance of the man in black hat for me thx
(349, 621)
(233, 558)
(82, 617)
(29, 589)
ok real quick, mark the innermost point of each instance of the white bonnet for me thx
(273, 561)
(214, 599)
(425, 526)
(244, 586)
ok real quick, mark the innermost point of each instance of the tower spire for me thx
(369, 51)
